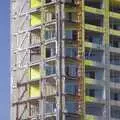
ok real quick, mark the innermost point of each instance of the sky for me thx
(4, 59)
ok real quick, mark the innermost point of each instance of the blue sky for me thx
(4, 60)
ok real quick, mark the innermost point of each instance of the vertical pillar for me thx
(59, 59)
(83, 40)
(42, 64)
(107, 58)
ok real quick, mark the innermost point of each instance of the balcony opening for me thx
(35, 54)
(71, 88)
(49, 105)
(93, 37)
(71, 70)
(34, 108)
(94, 3)
(115, 76)
(115, 6)
(35, 37)
(115, 94)
(94, 73)
(50, 14)
(70, 52)
(90, 74)
(94, 54)
(50, 32)
(71, 105)
(115, 41)
(95, 91)
(50, 50)
(50, 68)
(71, 34)
(115, 112)
(50, 87)
(114, 58)
(94, 109)
(114, 24)
(94, 19)
(70, 17)
(92, 92)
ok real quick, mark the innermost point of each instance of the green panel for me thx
(94, 10)
(35, 19)
(70, 61)
(92, 45)
(94, 28)
(89, 62)
(35, 3)
(88, 44)
(89, 80)
(115, 15)
(89, 99)
(115, 32)
(90, 117)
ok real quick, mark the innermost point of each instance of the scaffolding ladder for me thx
(80, 45)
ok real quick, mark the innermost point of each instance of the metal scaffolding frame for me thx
(23, 31)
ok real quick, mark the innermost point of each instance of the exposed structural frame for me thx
(65, 59)
(21, 60)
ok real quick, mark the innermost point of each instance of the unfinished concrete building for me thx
(65, 59)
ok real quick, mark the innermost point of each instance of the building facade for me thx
(65, 60)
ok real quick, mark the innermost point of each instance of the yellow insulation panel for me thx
(35, 73)
(35, 3)
(34, 90)
(35, 19)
